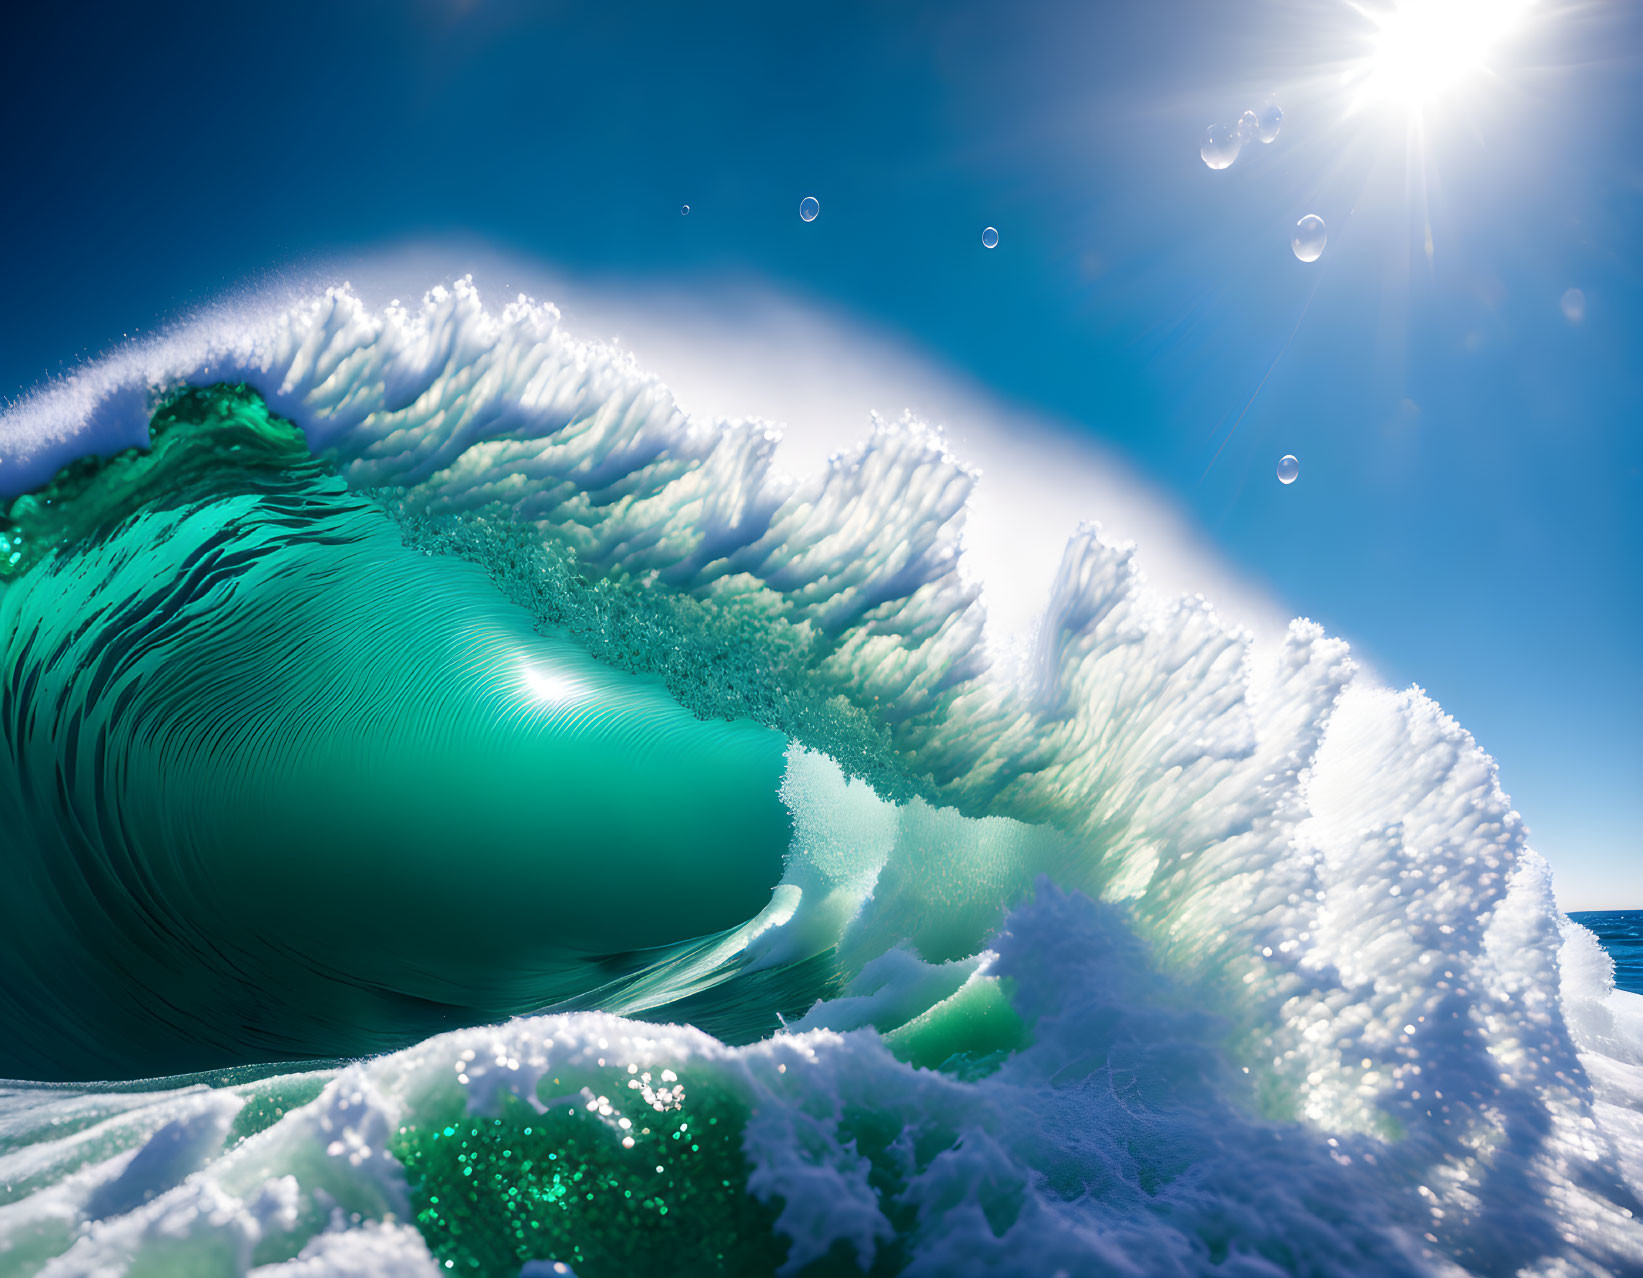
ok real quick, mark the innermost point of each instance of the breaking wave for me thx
(421, 684)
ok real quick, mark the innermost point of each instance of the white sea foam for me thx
(1124, 1135)
(1286, 964)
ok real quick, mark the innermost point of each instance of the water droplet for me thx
(1271, 119)
(1249, 127)
(1309, 239)
(684, 210)
(1289, 469)
(1574, 306)
(989, 237)
(809, 207)
(1220, 146)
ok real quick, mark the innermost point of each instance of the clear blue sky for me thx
(1469, 509)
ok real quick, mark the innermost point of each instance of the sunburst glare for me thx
(1421, 50)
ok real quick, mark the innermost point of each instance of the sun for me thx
(1422, 50)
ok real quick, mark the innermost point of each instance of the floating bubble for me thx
(1289, 469)
(989, 237)
(1220, 147)
(1310, 236)
(684, 210)
(809, 207)
(1271, 118)
(1248, 127)
(1574, 306)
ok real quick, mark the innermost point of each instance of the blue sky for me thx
(1472, 461)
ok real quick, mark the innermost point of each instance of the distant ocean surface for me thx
(1621, 932)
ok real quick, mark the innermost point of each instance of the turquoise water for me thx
(287, 788)
(470, 815)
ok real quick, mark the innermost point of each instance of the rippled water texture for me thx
(279, 786)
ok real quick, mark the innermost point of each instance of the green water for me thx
(275, 784)
(491, 1193)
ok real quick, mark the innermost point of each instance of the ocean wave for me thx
(1141, 951)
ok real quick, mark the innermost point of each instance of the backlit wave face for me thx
(289, 788)
(429, 667)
